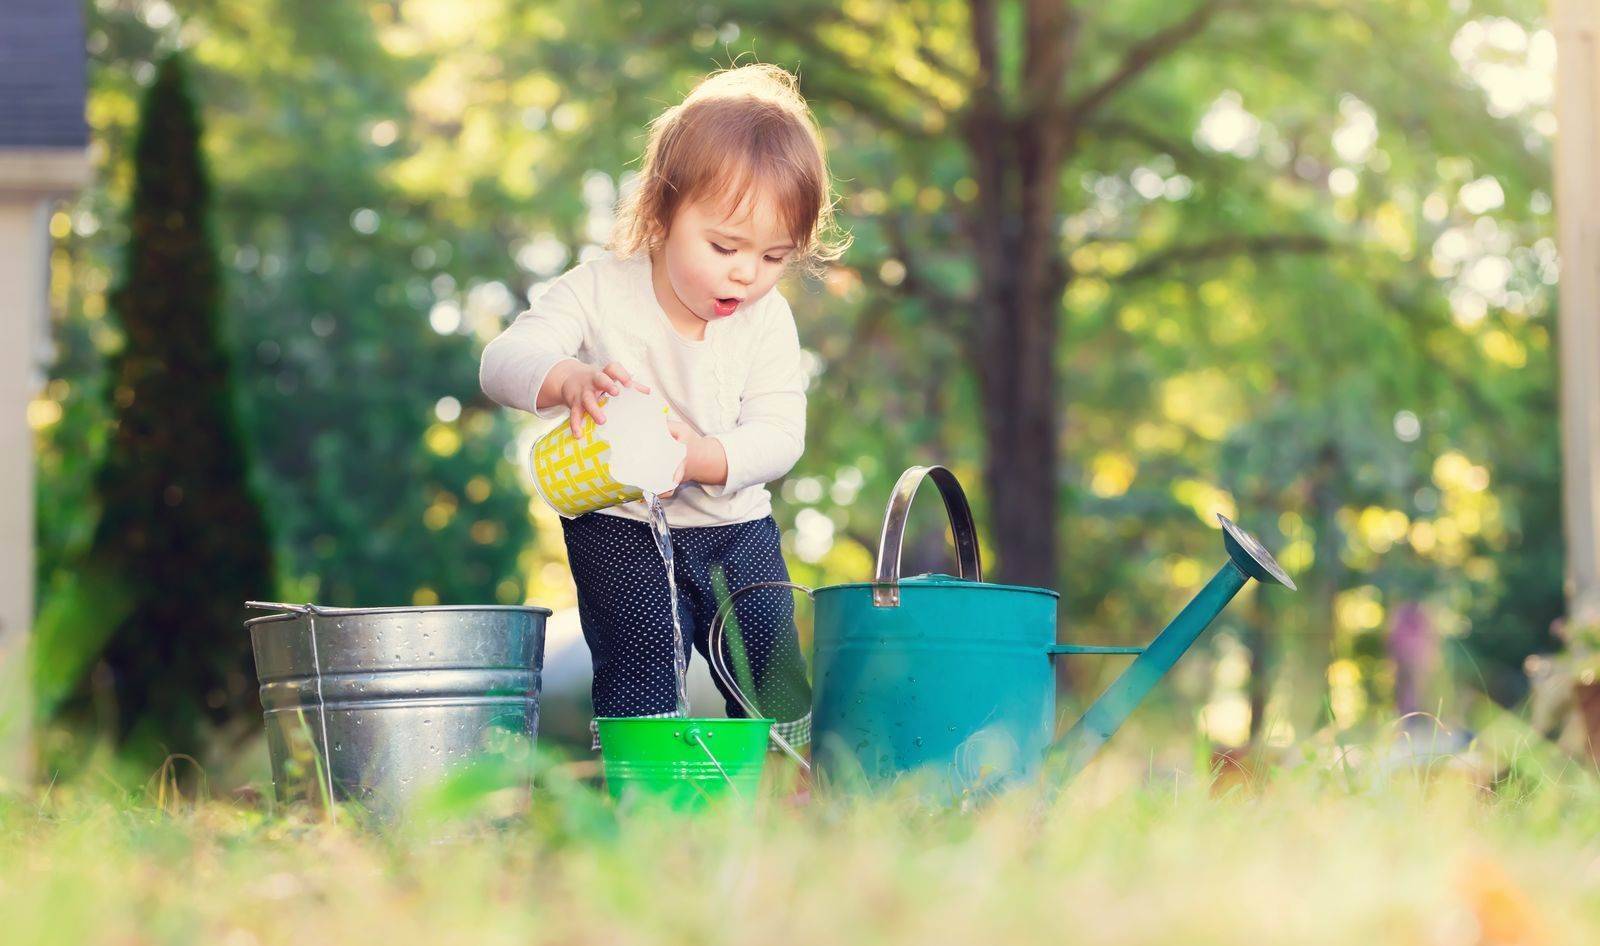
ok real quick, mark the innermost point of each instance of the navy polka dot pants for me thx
(623, 602)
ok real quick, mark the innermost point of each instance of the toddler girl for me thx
(733, 193)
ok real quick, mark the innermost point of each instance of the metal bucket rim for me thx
(320, 610)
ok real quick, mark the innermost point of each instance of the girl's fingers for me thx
(592, 405)
(616, 370)
(575, 420)
(614, 373)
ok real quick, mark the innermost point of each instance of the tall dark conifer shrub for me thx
(180, 526)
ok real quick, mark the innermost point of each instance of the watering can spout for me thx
(1247, 559)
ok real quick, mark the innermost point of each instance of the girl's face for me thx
(714, 262)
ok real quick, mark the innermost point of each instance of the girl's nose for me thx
(744, 272)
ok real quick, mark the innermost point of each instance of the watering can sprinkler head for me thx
(1251, 557)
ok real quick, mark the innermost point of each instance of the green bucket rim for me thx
(698, 721)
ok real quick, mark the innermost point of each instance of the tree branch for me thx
(804, 33)
(1128, 130)
(1232, 245)
(860, 69)
(1144, 54)
(986, 44)
(943, 305)
(871, 107)
(1052, 31)
(939, 62)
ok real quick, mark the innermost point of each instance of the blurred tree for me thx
(180, 527)
(1296, 269)
(1191, 219)
(354, 302)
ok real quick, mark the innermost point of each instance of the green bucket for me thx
(684, 763)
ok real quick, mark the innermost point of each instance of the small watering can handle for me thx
(719, 667)
(886, 583)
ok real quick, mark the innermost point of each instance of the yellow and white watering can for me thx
(631, 454)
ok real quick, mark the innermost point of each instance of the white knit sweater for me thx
(744, 383)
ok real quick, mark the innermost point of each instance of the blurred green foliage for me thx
(181, 541)
(1303, 262)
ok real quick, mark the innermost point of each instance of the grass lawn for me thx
(1319, 851)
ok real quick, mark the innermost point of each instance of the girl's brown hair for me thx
(737, 131)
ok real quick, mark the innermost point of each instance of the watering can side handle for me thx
(886, 582)
(719, 668)
(1056, 650)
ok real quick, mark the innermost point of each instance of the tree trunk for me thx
(1260, 687)
(1016, 163)
(1309, 707)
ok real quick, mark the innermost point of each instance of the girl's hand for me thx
(677, 477)
(686, 435)
(582, 388)
(704, 459)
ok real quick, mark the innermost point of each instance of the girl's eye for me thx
(774, 259)
(722, 249)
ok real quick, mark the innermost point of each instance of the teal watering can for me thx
(950, 677)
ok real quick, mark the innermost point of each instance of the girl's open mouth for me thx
(726, 306)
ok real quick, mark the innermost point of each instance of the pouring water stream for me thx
(663, 537)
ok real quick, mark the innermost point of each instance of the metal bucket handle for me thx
(719, 668)
(281, 606)
(693, 737)
(886, 583)
(310, 611)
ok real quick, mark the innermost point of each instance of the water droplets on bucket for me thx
(357, 680)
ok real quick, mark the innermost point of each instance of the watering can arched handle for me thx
(719, 667)
(886, 582)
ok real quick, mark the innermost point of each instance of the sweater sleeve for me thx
(771, 432)
(550, 331)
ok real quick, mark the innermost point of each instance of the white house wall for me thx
(24, 248)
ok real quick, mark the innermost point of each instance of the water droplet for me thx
(918, 740)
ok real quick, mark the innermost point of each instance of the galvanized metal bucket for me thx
(374, 705)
